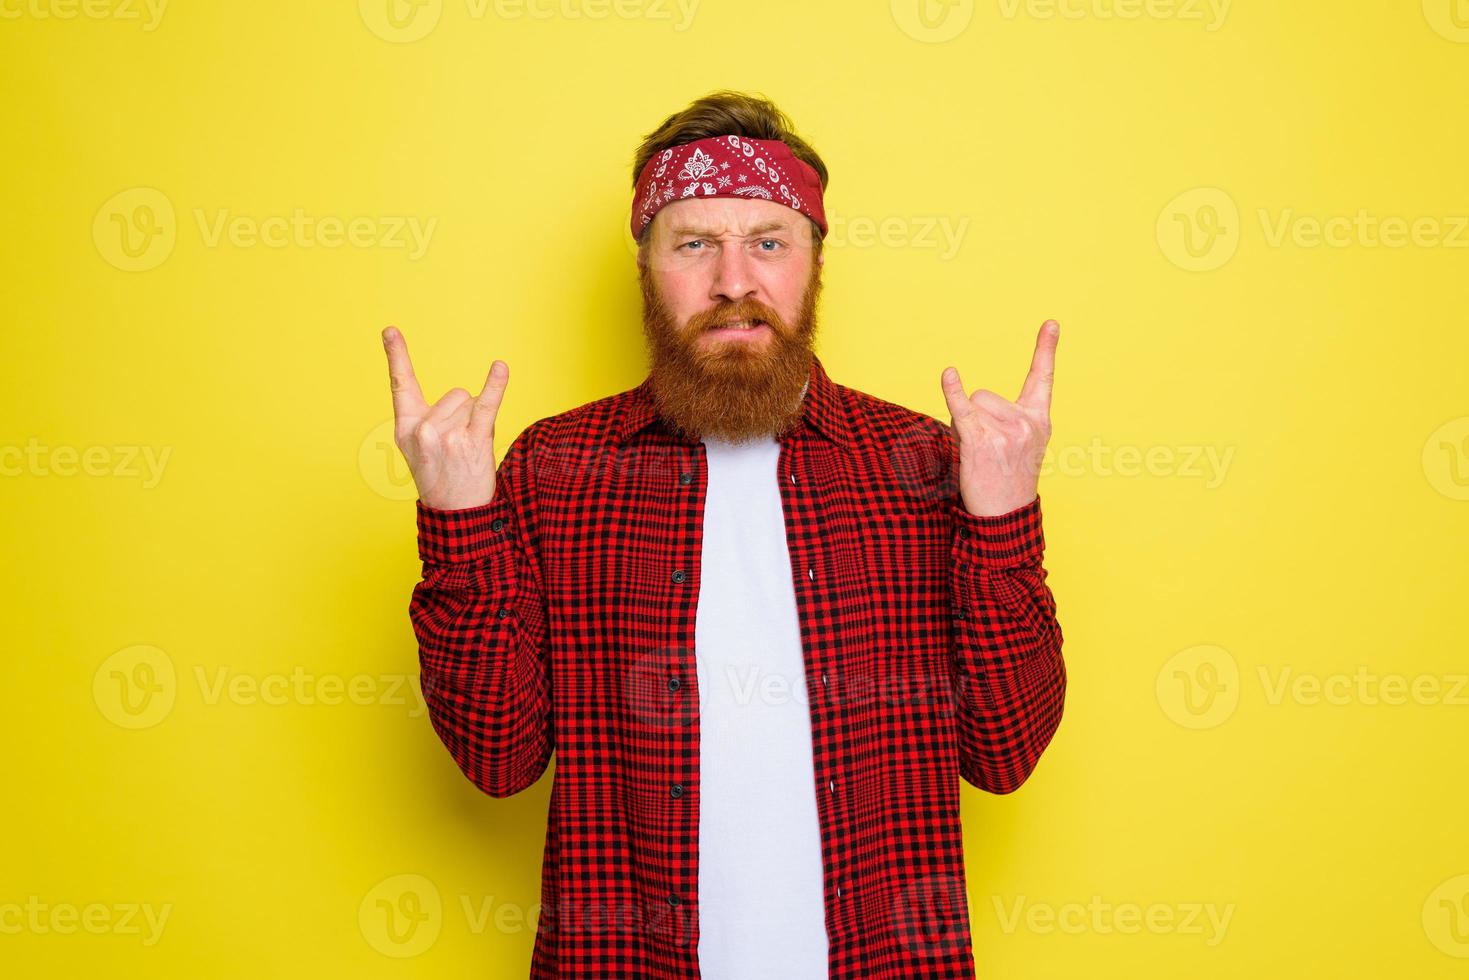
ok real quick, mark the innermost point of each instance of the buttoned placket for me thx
(794, 493)
(690, 475)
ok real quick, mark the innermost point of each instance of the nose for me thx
(734, 277)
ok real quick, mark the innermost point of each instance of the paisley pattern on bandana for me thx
(727, 166)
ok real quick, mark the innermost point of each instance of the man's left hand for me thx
(1002, 443)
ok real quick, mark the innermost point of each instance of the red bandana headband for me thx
(727, 166)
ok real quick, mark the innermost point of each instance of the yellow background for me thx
(1088, 163)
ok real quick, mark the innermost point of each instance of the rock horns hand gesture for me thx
(449, 446)
(1002, 443)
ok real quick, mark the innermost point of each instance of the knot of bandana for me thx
(727, 166)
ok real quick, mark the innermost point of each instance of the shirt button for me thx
(679, 574)
(503, 613)
(963, 532)
(674, 900)
(831, 784)
(961, 613)
(793, 478)
(674, 683)
(676, 790)
(839, 891)
(496, 524)
(686, 478)
(811, 574)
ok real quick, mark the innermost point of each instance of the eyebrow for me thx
(759, 229)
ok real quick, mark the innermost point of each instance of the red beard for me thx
(731, 390)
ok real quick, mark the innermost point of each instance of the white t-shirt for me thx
(761, 906)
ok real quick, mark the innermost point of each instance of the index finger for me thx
(407, 396)
(1036, 393)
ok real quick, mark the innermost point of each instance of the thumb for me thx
(954, 393)
(428, 439)
(487, 405)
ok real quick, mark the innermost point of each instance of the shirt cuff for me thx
(466, 535)
(1001, 540)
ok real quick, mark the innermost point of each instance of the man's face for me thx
(729, 295)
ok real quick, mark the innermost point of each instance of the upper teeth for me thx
(739, 324)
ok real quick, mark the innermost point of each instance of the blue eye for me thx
(696, 241)
(769, 241)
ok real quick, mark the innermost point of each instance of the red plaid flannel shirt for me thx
(561, 616)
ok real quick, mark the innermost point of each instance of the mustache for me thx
(745, 309)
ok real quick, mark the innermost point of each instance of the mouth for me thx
(732, 328)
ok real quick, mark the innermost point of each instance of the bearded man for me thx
(766, 622)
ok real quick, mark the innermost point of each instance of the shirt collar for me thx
(821, 409)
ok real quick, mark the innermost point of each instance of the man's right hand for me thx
(449, 446)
